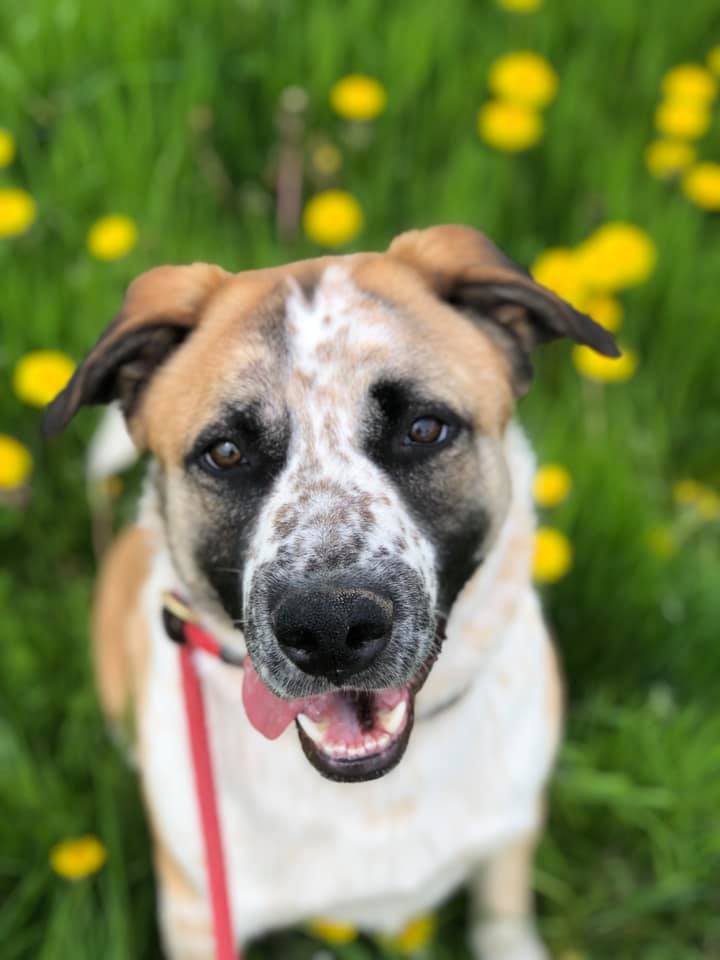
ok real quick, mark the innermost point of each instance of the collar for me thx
(182, 627)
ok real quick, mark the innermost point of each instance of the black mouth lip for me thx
(360, 769)
(376, 765)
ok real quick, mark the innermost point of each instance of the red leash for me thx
(192, 639)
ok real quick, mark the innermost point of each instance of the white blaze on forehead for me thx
(331, 500)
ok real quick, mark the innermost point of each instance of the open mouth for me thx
(347, 735)
(356, 735)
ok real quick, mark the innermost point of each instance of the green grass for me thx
(100, 100)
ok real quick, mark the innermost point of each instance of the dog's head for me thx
(329, 460)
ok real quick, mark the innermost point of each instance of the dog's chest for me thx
(375, 853)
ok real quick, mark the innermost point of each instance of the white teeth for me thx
(370, 744)
(316, 731)
(392, 720)
(383, 740)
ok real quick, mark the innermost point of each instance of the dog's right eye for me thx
(223, 455)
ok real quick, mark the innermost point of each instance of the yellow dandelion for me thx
(687, 491)
(558, 269)
(713, 60)
(708, 504)
(358, 97)
(333, 932)
(523, 77)
(510, 127)
(701, 184)
(551, 485)
(7, 147)
(78, 858)
(661, 541)
(416, 936)
(112, 237)
(520, 6)
(15, 462)
(553, 555)
(605, 310)
(682, 119)
(332, 218)
(326, 159)
(594, 366)
(667, 158)
(690, 82)
(616, 256)
(17, 211)
(40, 375)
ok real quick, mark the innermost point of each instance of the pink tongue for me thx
(270, 715)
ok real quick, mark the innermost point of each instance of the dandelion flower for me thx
(326, 159)
(112, 237)
(553, 555)
(687, 491)
(682, 119)
(667, 158)
(692, 493)
(78, 858)
(661, 541)
(594, 366)
(17, 211)
(332, 218)
(558, 269)
(333, 932)
(510, 127)
(15, 463)
(708, 505)
(701, 184)
(358, 97)
(414, 937)
(616, 256)
(520, 6)
(40, 375)
(605, 310)
(523, 77)
(7, 147)
(551, 485)
(690, 82)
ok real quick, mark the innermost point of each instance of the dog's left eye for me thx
(427, 430)
(223, 455)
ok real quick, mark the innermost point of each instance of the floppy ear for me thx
(465, 269)
(160, 309)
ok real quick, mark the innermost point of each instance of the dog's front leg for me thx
(503, 926)
(183, 910)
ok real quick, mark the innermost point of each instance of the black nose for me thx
(333, 632)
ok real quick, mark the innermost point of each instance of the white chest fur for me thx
(377, 853)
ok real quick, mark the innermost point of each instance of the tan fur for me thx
(120, 580)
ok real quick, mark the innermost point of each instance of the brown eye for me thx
(427, 430)
(223, 455)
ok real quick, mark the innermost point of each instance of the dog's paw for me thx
(511, 939)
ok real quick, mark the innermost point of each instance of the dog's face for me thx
(329, 461)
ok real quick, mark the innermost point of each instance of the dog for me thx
(339, 491)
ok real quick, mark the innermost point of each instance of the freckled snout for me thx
(332, 631)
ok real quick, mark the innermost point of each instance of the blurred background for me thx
(585, 139)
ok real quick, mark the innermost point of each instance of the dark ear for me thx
(468, 271)
(160, 309)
